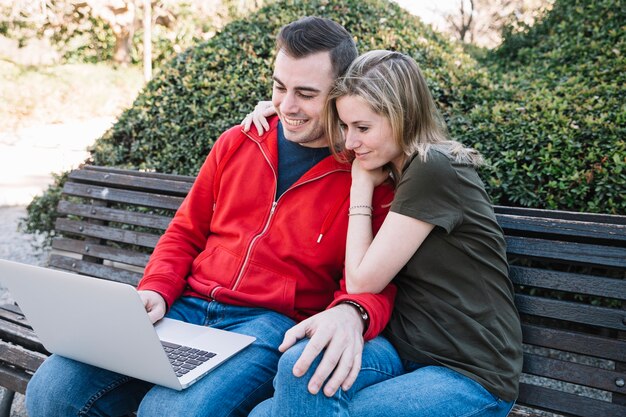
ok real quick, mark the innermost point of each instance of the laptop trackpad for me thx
(201, 337)
(177, 331)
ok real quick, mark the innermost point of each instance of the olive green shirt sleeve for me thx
(428, 191)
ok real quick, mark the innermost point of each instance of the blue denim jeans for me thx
(62, 387)
(415, 390)
(379, 362)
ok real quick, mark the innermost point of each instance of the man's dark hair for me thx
(312, 34)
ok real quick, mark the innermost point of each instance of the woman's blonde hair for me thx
(393, 85)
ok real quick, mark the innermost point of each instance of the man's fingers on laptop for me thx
(154, 304)
(155, 316)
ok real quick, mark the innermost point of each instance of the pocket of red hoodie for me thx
(216, 264)
(263, 287)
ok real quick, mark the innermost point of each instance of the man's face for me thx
(300, 88)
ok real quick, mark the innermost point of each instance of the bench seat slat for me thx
(564, 402)
(131, 182)
(20, 335)
(101, 251)
(13, 379)
(570, 252)
(569, 282)
(13, 314)
(114, 215)
(122, 196)
(603, 231)
(575, 373)
(95, 270)
(570, 311)
(76, 227)
(521, 411)
(574, 342)
(20, 357)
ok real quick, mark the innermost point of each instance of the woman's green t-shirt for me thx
(455, 300)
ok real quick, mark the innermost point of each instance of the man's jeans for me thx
(384, 389)
(62, 387)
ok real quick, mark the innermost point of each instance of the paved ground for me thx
(27, 157)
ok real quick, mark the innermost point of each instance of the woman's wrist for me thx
(361, 193)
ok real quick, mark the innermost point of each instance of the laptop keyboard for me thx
(184, 358)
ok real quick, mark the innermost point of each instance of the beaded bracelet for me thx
(361, 206)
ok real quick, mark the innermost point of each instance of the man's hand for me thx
(154, 304)
(339, 330)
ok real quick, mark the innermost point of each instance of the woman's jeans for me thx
(62, 387)
(386, 388)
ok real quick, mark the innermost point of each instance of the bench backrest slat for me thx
(562, 215)
(575, 373)
(103, 252)
(564, 402)
(570, 311)
(135, 173)
(75, 227)
(115, 195)
(568, 282)
(89, 211)
(569, 252)
(95, 270)
(575, 342)
(560, 227)
(132, 182)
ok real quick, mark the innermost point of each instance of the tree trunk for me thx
(123, 45)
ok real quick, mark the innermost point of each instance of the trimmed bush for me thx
(553, 120)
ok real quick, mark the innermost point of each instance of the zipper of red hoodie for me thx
(269, 219)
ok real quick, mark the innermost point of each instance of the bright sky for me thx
(430, 11)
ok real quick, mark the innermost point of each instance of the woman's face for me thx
(368, 134)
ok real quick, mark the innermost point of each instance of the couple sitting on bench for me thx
(259, 247)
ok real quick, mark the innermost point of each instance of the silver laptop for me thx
(104, 323)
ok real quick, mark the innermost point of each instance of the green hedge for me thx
(546, 109)
(553, 120)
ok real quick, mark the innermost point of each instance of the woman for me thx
(454, 323)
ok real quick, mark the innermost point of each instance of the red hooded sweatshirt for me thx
(232, 241)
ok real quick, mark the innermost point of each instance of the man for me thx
(256, 247)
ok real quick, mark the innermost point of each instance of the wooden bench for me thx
(569, 270)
